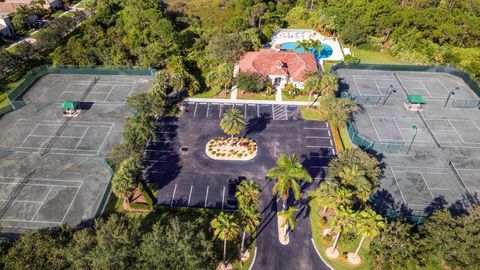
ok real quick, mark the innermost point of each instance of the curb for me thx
(319, 255)
(253, 260)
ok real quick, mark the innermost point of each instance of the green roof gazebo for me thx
(69, 105)
(414, 102)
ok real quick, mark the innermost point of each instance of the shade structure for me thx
(69, 105)
(415, 99)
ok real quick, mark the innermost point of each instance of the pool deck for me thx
(293, 35)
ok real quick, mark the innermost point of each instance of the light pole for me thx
(413, 139)
(389, 93)
(451, 93)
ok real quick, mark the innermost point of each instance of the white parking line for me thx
(245, 111)
(258, 111)
(329, 133)
(314, 137)
(331, 143)
(195, 111)
(319, 146)
(173, 195)
(316, 128)
(273, 112)
(206, 197)
(223, 196)
(220, 111)
(208, 107)
(190, 196)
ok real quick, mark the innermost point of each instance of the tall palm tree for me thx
(329, 85)
(343, 221)
(368, 225)
(315, 45)
(288, 173)
(363, 189)
(312, 85)
(225, 228)
(289, 218)
(250, 220)
(247, 194)
(303, 44)
(332, 194)
(232, 122)
(126, 178)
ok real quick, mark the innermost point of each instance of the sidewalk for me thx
(249, 101)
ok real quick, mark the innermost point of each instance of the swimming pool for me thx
(324, 53)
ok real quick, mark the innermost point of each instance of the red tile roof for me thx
(270, 62)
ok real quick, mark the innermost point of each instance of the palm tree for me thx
(288, 172)
(225, 228)
(343, 221)
(326, 192)
(303, 44)
(368, 225)
(350, 175)
(289, 218)
(250, 219)
(312, 85)
(315, 45)
(247, 194)
(329, 85)
(232, 122)
(126, 178)
(363, 189)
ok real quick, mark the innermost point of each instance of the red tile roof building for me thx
(285, 66)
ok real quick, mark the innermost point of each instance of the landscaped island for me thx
(231, 149)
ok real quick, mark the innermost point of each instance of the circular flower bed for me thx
(231, 149)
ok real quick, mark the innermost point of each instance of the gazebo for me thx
(70, 108)
(414, 102)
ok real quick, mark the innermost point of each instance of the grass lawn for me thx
(375, 57)
(344, 246)
(345, 139)
(211, 93)
(82, 5)
(310, 114)
(287, 97)
(255, 96)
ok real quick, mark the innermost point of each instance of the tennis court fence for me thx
(368, 144)
(107, 192)
(464, 75)
(33, 75)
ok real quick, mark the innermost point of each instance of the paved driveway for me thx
(186, 177)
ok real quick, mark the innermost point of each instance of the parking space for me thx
(267, 111)
(187, 177)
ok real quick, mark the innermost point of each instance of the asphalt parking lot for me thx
(186, 177)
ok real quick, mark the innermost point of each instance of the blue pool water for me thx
(324, 53)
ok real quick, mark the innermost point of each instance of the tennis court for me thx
(430, 154)
(52, 168)
(430, 85)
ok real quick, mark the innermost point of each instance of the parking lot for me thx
(434, 153)
(52, 168)
(186, 177)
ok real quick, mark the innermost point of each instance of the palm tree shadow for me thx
(257, 124)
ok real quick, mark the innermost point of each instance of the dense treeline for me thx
(115, 242)
(422, 31)
(446, 239)
(21, 58)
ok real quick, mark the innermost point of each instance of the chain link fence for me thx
(107, 192)
(367, 144)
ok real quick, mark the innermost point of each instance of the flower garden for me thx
(241, 148)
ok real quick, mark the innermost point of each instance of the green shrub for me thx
(140, 206)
